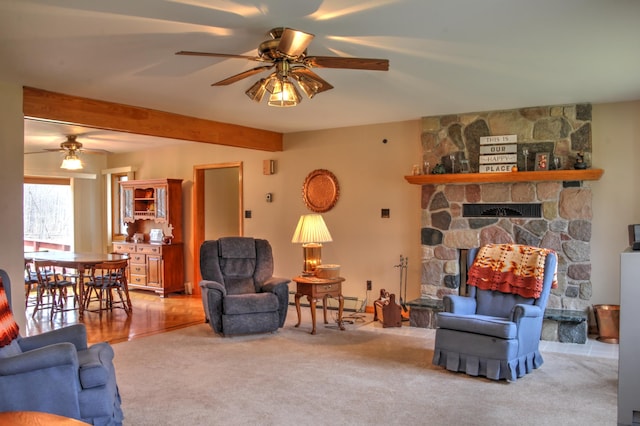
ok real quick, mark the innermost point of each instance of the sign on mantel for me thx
(498, 153)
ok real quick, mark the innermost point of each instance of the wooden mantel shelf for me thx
(508, 177)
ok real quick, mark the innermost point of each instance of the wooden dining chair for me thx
(30, 283)
(105, 279)
(53, 286)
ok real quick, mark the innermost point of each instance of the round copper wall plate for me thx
(320, 191)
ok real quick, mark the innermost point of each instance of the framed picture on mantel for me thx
(542, 161)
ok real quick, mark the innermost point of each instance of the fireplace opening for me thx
(502, 210)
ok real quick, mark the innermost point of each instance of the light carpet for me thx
(363, 375)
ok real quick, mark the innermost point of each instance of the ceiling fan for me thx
(71, 147)
(286, 51)
(71, 160)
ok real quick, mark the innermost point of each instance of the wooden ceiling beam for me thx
(42, 104)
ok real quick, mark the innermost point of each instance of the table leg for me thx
(340, 309)
(312, 305)
(80, 291)
(297, 300)
(324, 308)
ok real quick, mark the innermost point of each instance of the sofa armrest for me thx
(521, 311)
(213, 285)
(212, 294)
(272, 283)
(279, 287)
(75, 334)
(95, 364)
(55, 355)
(459, 304)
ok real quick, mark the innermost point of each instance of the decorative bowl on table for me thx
(328, 271)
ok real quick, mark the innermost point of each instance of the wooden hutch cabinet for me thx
(153, 207)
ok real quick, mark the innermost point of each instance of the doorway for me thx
(217, 207)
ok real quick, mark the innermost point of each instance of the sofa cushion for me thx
(478, 324)
(495, 303)
(238, 268)
(239, 285)
(12, 349)
(250, 303)
(237, 248)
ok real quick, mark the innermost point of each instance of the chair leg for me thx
(125, 300)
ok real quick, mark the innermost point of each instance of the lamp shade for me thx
(258, 90)
(284, 94)
(311, 229)
(71, 162)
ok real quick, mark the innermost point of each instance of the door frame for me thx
(198, 212)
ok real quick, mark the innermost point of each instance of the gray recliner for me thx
(239, 293)
(56, 372)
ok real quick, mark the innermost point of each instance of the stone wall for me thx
(562, 131)
(565, 225)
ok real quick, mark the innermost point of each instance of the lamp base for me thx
(312, 254)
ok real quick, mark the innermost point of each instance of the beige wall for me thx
(370, 174)
(221, 202)
(616, 197)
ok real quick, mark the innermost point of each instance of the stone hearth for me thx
(565, 221)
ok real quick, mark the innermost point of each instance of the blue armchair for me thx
(495, 330)
(239, 293)
(55, 372)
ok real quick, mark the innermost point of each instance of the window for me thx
(119, 228)
(48, 214)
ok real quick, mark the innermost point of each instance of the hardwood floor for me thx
(151, 314)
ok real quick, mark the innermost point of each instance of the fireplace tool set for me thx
(402, 266)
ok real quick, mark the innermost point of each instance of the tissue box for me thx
(328, 271)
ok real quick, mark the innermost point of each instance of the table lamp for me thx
(311, 232)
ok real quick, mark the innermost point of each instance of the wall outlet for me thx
(368, 285)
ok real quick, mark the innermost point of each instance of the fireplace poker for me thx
(403, 278)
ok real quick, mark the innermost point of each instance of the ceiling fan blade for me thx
(219, 55)
(311, 79)
(242, 75)
(293, 43)
(348, 63)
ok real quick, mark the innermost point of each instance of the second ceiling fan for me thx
(286, 51)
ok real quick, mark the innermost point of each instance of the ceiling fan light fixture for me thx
(71, 162)
(309, 86)
(257, 91)
(286, 96)
(274, 84)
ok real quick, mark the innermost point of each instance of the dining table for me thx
(80, 261)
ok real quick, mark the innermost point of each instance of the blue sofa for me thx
(57, 372)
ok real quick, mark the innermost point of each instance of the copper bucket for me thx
(608, 320)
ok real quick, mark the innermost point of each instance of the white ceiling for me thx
(445, 56)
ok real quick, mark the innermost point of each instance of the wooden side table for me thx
(315, 288)
(33, 418)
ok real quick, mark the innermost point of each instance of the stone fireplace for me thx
(561, 213)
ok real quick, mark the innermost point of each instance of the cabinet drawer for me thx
(149, 249)
(138, 258)
(122, 248)
(138, 269)
(138, 280)
(326, 288)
